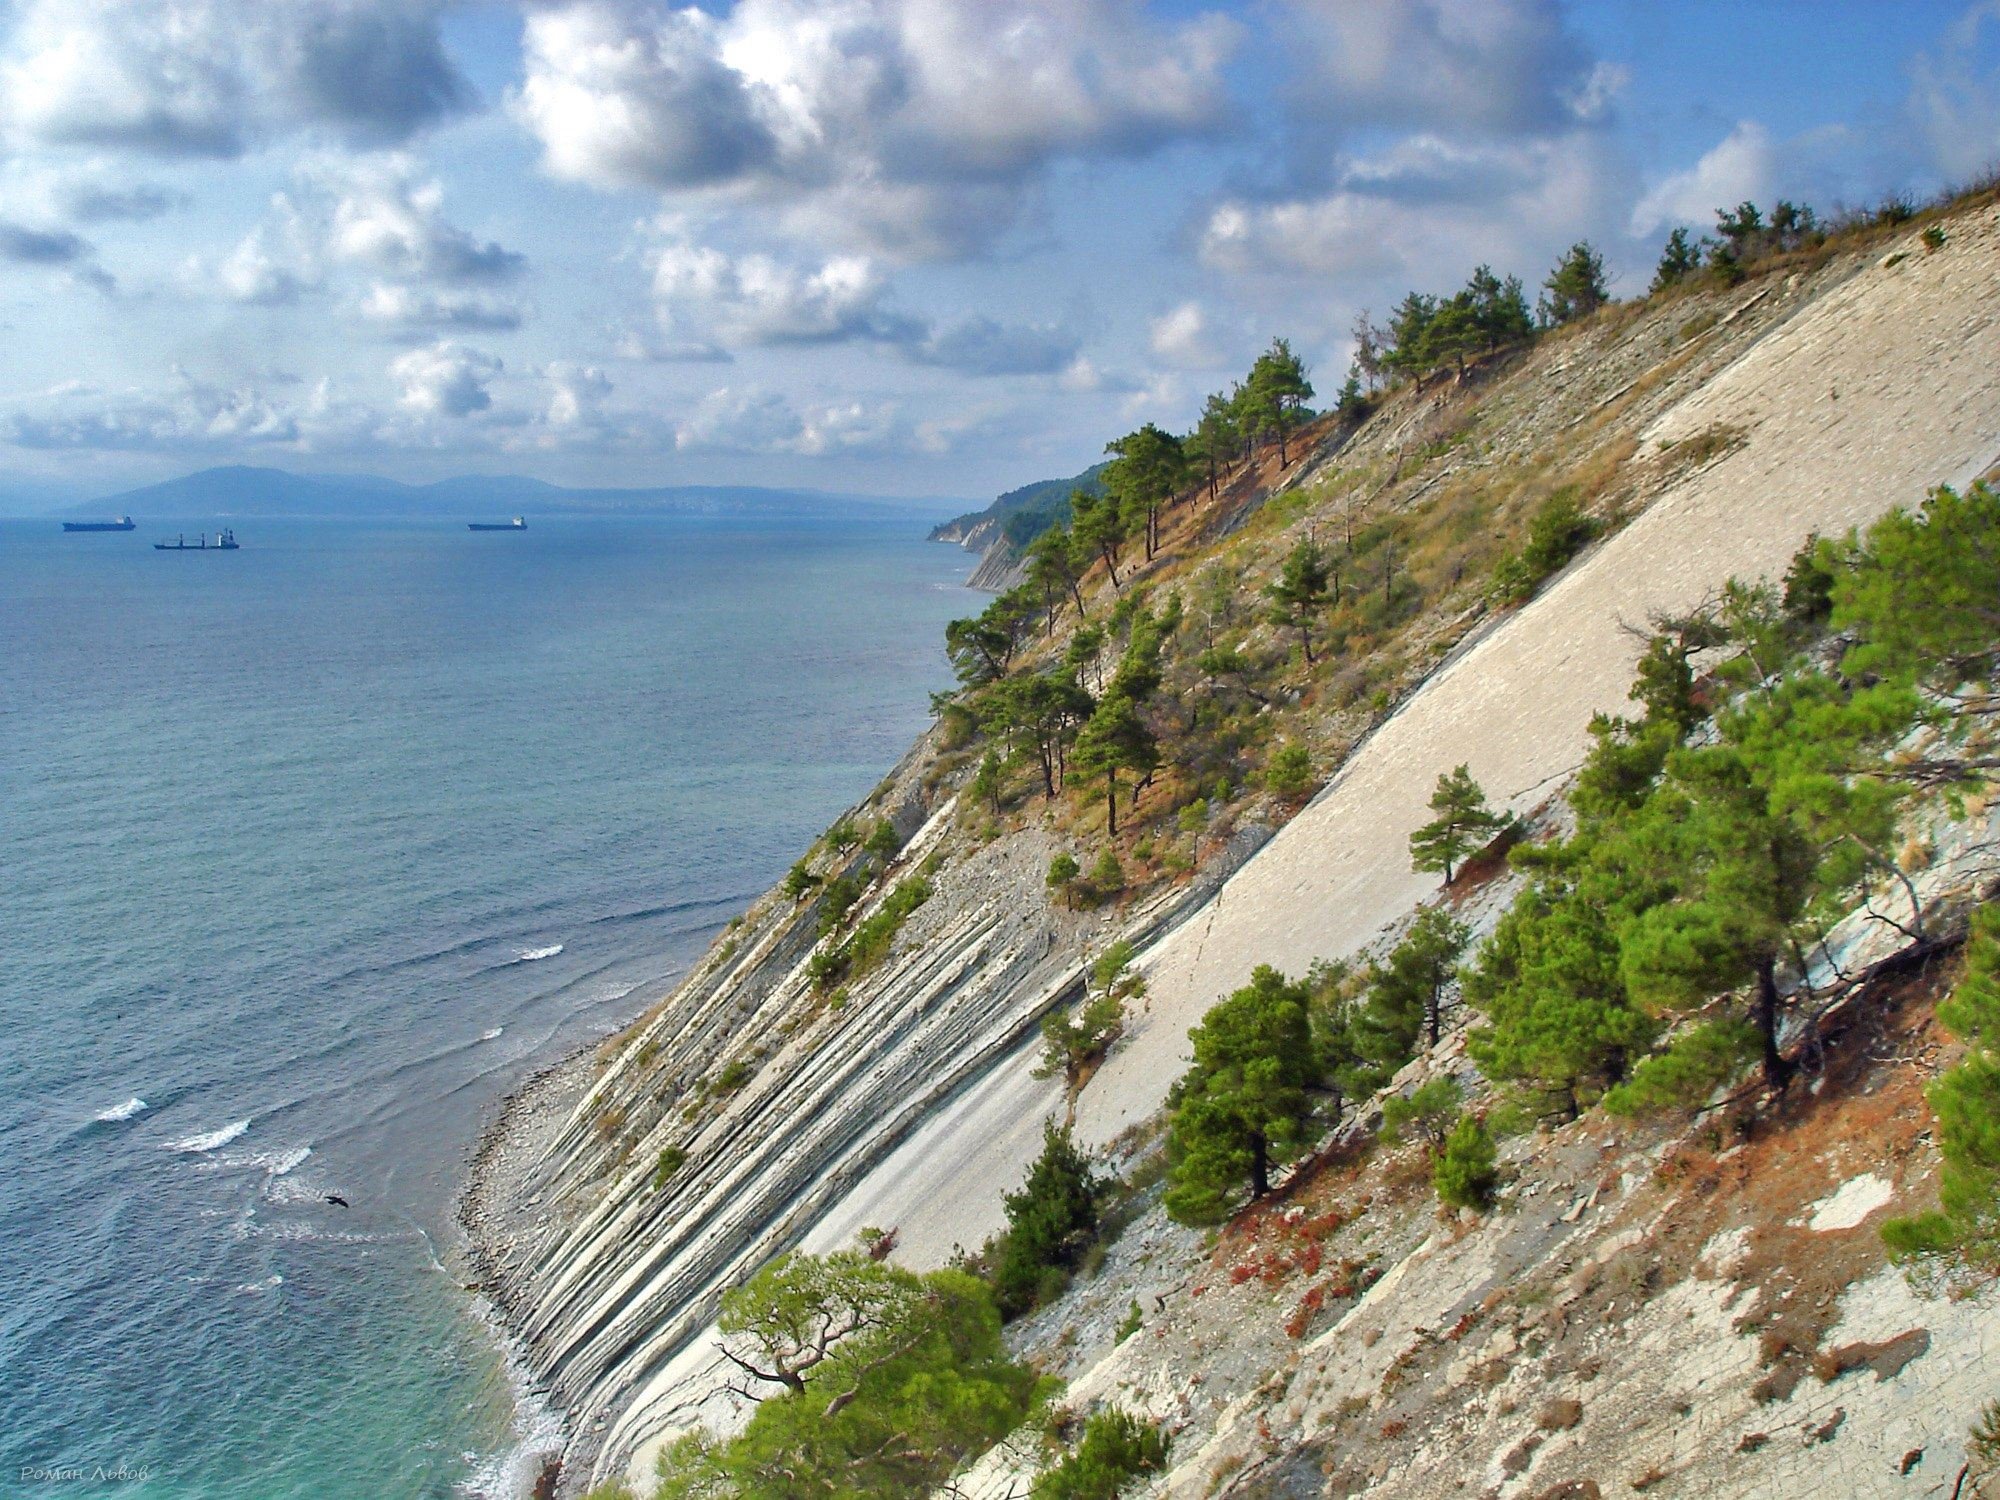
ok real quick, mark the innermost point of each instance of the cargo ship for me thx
(519, 523)
(225, 541)
(123, 523)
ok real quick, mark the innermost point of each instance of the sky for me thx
(901, 247)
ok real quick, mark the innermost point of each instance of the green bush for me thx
(1681, 1077)
(733, 1077)
(1107, 875)
(1465, 1174)
(841, 894)
(1965, 1232)
(1063, 871)
(1116, 1449)
(1558, 532)
(1290, 771)
(672, 1159)
(1428, 1114)
(883, 841)
(1051, 1222)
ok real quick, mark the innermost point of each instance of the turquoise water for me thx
(312, 848)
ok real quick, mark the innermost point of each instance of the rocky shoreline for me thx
(500, 1217)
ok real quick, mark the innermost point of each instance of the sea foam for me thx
(529, 955)
(208, 1140)
(123, 1111)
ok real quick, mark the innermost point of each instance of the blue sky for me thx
(930, 247)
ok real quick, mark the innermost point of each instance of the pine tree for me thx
(1277, 391)
(1051, 1220)
(1244, 1106)
(1466, 1171)
(1463, 825)
(1147, 468)
(1966, 1100)
(1680, 259)
(1301, 591)
(1115, 739)
(1576, 288)
(1099, 527)
(1559, 1019)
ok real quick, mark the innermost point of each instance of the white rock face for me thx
(1855, 1200)
(923, 1110)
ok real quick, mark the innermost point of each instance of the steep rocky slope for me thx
(1724, 427)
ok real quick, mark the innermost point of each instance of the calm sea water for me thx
(305, 852)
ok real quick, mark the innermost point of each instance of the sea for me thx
(311, 850)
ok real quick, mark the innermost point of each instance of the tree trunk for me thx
(1777, 1071)
(1260, 1165)
(1076, 593)
(1111, 803)
(1306, 640)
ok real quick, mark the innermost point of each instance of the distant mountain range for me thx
(239, 491)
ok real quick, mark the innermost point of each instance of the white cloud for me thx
(386, 216)
(1954, 104)
(1424, 211)
(177, 78)
(445, 379)
(911, 126)
(980, 346)
(409, 309)
(1489, 68)
(757, 299)
(577, 394)
(1181, 336)
(1742, 165)
(752, 421)
(191, 415)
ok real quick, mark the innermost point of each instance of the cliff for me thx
(1714, 431)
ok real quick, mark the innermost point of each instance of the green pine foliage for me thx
(1073, 1045)
(1576, 288)
(1245, 1106)
(1466, 1171)
(874, 1381)
(1464, 824)
(1964, 1232)
(1116, 1449)
(1405, 1003)
(870, 942)
(1700, 1061)
(1052, 1220)
(1427, 1114)
(1557, 533)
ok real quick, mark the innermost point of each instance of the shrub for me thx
(1681, 1077)
(1116, 1449)
(1965, 1098)
(1290, 771)
(1073, 1044)
(1063, 870)
(869, 943)
(1558, 532)
(842, 836)
(1052, 1221)
(883, 841)
(672, 1159)
(1132, 1322)
(733, 1077)
(841, 893)
(1464, 1174)
(1428, 1114)
(1107, 875)
(799, 882)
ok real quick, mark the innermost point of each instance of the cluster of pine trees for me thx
(1720, 832)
